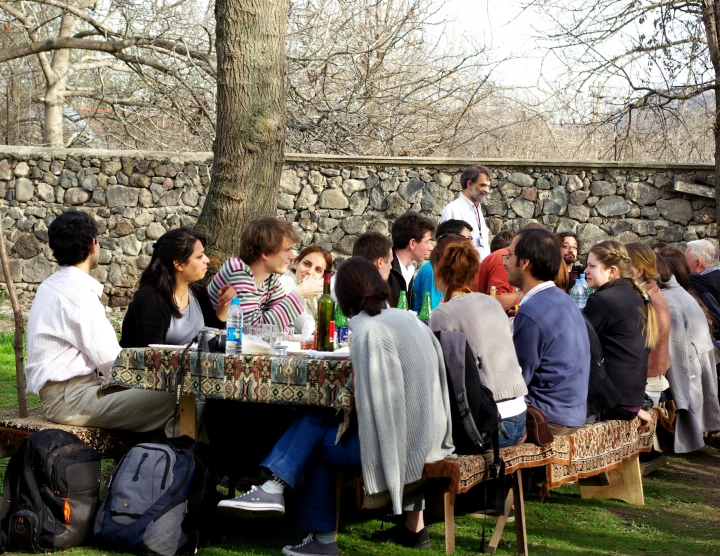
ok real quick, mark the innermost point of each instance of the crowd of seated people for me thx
(651, 310)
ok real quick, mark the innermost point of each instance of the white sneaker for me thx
(255, 503)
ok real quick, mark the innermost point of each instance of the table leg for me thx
(188, 418)
(520, 530)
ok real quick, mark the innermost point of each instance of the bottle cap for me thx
(582, 276)
(235, 301)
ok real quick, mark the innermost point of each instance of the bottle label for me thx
(234, 334)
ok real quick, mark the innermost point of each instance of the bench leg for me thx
(188, 418)
(520, 530)
(500, 525)
(449, 521)
(624, 483)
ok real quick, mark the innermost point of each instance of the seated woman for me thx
(170, 305)
(310, 263)
(403, 422)
(644, 266)
(484, 323)
(692, 375)
(625, 321)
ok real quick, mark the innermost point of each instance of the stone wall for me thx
(136, 196)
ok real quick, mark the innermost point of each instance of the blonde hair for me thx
(612, 253)
(643, 257)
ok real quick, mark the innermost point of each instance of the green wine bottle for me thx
(425, 310)
(341, 327)
(402, 302)
(326, 313)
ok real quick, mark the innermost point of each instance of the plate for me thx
(169, 346)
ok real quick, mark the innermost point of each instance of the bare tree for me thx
(640, 57)
(378, 77)
(84, 48)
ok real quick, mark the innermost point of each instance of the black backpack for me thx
(154, 502)
(50, 493)
(602, 392)
(474, 413)
(475, 417)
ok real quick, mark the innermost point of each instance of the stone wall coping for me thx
(52, 152)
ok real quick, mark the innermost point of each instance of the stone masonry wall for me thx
(136, 196)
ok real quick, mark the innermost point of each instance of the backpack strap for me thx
(10, 495)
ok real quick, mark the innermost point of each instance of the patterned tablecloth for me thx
(259, 379)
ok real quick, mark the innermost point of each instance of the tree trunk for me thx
(250, 133)
(711, 18)
(19, 328)
(56, 82)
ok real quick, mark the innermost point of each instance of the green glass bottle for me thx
(425, 310)
(402, 302)
(326, 313)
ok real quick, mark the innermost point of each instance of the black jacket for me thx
(148, 317)
(707, 288)
(614, 312)
(396, 281)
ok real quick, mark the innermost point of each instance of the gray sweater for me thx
(401, 398)
(482, 320)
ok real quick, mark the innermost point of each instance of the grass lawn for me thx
(681, 514)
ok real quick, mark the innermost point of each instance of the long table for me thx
(294, 380)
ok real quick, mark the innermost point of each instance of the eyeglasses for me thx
(458, 236)
(507, 257)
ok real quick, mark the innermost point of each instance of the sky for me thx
(504, 27)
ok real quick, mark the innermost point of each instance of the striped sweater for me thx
(268, 304)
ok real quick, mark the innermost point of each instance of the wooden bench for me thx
(110, 444)
(609, 449)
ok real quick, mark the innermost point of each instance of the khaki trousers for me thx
(75, 402)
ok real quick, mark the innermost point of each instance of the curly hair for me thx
(71, 237)
(264, 236)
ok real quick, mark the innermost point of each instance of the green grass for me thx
(681, 514)
(8, 384)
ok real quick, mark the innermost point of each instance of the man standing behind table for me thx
(549, 333)
(570, 251)
(266, 251)
(412, 243)
(71, 346)
(475, 182)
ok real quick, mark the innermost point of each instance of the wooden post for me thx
(449, 520)
(188, 417)
(19, 328)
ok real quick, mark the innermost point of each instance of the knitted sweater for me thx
(267, 304)
(484, 323)
(401, 398)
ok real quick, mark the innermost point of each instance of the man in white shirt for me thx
(412, 242)
(71, 345)
(475, 182)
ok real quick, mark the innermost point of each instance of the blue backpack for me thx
(152, 496)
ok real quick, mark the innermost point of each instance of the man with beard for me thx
(570, 250)
(475, 182)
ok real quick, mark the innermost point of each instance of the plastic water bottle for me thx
(578, 294)
(586, 287)
(234, 325)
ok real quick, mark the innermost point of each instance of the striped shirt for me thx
(268, 304)
(68, 333)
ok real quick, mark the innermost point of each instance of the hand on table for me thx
(309, 287)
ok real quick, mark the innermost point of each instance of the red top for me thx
(492, 273)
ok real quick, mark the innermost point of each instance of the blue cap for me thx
(235, 301)
(582, 276)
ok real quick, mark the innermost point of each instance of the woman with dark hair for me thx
(312, 262)
(403, 417)
(485, 325)
(170, 305)
(677, 264)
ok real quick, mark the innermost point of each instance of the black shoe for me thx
(404, 537)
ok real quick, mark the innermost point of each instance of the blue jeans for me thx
(512, 430)
(308, 447)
